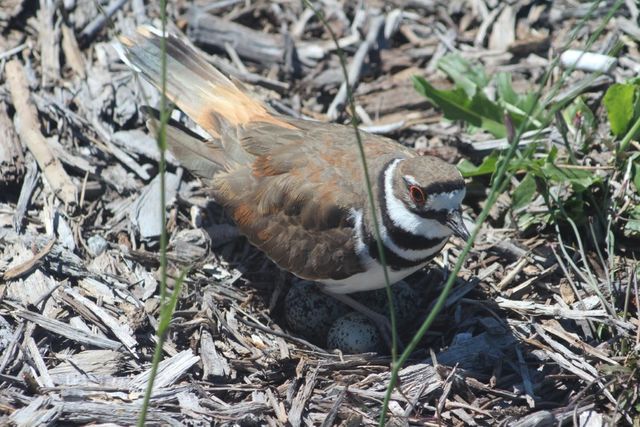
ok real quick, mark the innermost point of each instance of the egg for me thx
(354, 333)
(310, 313)
(405, 300)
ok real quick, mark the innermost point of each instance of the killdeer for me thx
(296, 188)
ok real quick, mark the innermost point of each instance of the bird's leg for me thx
(381, 321)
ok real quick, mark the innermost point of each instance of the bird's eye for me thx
(417, 195)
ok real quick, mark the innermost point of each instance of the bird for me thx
(296, 188)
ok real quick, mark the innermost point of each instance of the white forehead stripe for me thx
(445, 201)
(411, 180)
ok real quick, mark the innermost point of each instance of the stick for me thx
(28, 127)
(356, 66)
(91, 30)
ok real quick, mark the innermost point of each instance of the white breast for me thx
(372, 278)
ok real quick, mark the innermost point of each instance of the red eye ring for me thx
(417, 195)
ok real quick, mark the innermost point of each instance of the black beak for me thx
(456, 224)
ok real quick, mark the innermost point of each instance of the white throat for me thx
(446, 201)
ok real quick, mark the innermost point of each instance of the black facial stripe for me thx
(400, 237)
(406, 240)
(444, 187)
(440, 216)
(394, 261)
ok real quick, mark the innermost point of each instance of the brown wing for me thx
(295, 200)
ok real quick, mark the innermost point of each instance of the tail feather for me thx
(203, 158)
(194, 85)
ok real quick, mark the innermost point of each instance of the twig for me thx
(27, 125)
(91, 30)
(11, 52)
(377, 23)
(29, 265)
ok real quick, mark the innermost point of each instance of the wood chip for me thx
(66, 330)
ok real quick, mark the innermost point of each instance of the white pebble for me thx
(587, 61)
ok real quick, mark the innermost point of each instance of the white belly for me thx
(368, 280)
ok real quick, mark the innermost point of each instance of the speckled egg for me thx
(310, 313)
(406, 302)
(354, 333)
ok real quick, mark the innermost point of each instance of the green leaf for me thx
(636, 176)
(580, 179)
(505, 89)
(487, 167)
(519, 106)
(619, 102)
(526, 219)
(471, 79)
(636, 105)
(632, 228)
(553, 154)
(524, 102)
(457, 105)
(524, 193)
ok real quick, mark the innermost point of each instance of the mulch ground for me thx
(538, 330)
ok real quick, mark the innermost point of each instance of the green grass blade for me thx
(162, 146)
